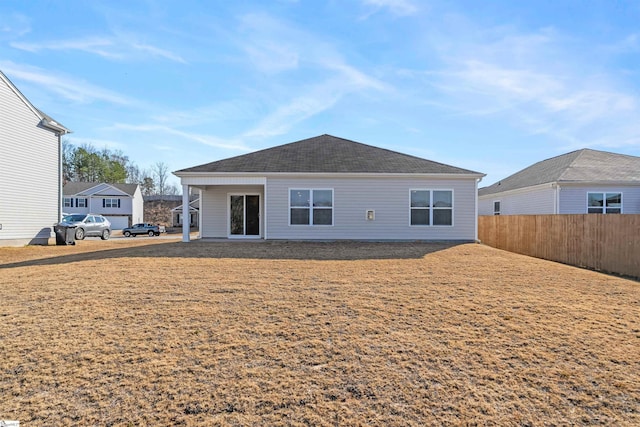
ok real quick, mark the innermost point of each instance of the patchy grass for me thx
(158, 332)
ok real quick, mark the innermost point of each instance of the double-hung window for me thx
(311, 207)
(110, 203)
(68, 202)
(81, 203)
(431, 207)
(496, 207)
(604, 203)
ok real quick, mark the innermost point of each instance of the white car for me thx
(88, 225)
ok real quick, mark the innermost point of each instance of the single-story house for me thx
(121, 204)
(579, 182)
(30, 170)
(329, 188)
(177, 216)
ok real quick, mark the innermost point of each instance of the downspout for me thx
(264, 216)
(60, 183)
(557, 207)
(476, 210)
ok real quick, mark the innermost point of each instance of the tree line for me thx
(85, 163)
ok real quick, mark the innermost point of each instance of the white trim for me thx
(263, 175)
(226, 179)
(604, 201)
(431, 207)
(185, 224)
(475, 225)
(245, 235)
(499, 211)
(311, 208)
(264, 203)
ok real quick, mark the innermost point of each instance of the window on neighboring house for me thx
(604, 203)
(496, 207)
(431, 207)
(110, 203)
(81, 203)
(67, 202)
(311, 207)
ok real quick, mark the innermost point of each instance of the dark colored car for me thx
(88, 225)
(142, 228)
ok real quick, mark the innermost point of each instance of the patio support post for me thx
(185, 219)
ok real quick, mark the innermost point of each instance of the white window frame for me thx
(84, 202)
(67, 202)
(431, 208)
(109, 203)
(499, 210)
(311, 208)
(604, 201)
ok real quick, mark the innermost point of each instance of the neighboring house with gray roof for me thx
(579, 182)
(30, 169)
(121, 204)
(329, 188)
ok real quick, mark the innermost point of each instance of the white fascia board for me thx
(598, 183)
(54, 126)
(221, 179)
(260, 178)
(517, 191)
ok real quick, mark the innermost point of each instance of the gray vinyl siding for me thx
(29, 180)
(388, 197)
(214, 208)
(538, 201)
(573, 200)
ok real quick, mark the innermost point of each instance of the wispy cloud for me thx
(14, 25)
(328, 77)
(397, 7)
(101, 46)
(212, 141)
(534, 81)
(296, 110)
(68, 87)
(118, 47)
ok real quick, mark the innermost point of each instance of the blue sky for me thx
(489, 86)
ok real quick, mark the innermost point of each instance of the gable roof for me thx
(45, 120)
(326, 154)
(584, 165)
(81, 188)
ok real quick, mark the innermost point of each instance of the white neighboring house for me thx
(30, 170)
(121, 204)
(579, 182)
(177, 215)
(329, 188)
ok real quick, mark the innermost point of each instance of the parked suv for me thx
(88, 225)
(143, 228)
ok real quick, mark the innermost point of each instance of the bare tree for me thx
(160, 171)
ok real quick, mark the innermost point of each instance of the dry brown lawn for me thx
(157, 332)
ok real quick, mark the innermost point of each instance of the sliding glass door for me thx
(244, 215)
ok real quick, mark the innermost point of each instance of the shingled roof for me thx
(327, 154)
(584, 165)
(80, 188)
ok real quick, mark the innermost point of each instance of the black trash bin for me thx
(65, 234)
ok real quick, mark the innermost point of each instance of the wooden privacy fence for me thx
(609, 243)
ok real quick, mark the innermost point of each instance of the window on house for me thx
(311, 207)
(496, 207)
(431, 207)
(110, 203)
(67, 202)
(604, 203)
(81, 203)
